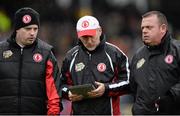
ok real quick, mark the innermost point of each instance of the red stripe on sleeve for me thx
(116, 106)
(52, 94)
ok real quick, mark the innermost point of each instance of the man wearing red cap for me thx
(97, 62)
(29, 75)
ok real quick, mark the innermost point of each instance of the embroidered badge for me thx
(37, 57)
(169, 59)
(79, 67)
(26, 19)
(7, 54)
(101, 67)
(85, 24)
(140, 63)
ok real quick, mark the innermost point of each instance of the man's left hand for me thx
(99, 91)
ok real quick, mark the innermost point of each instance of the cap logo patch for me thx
(169, 59)
(37, 57)
(26, 19)
(101, 67)
(85, 24)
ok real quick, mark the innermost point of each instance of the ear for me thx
(163, 28)
(99, 30)
(17, 30)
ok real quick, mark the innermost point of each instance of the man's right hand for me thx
(74, 97)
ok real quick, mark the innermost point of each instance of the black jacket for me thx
(106, 64)
(155, 78)
(29, 79)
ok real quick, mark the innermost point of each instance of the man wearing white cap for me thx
(94, 61)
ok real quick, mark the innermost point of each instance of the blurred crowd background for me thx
(120, 20)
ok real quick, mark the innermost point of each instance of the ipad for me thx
(82, 89)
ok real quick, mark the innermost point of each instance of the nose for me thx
(32, 31)
(89, 40)
(144, 30)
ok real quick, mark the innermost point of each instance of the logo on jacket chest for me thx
(140, 63)
(7, 54)
(80, 66)
(169, 59)
(37, 57)
(101, 67)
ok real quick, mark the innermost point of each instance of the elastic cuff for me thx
(106, 89)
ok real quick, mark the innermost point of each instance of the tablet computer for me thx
(82, 89)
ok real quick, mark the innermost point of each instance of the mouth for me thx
(31, 38)
(145, 37)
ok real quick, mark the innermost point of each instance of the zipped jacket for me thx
(106, 64)
(29, 79)
(155, 78)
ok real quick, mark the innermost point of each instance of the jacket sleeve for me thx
(65, 79)
(133, 84)
(174, 92)
(65, 76)
(120, 82)
(54, 105)
(171, 99)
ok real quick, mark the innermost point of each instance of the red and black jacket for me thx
(106, 64)
(29, 79)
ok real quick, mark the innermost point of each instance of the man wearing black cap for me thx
(29, 74)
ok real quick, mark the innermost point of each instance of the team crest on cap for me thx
(37, 57)
(101, 67)
(85, 24)
(26, 19)
(7, 54)
(169, 59)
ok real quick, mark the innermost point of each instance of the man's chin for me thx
(146, 43)
(90, 49)
(30, 42)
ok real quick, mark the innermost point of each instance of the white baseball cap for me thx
(87, 25)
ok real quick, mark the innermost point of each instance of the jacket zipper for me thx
(89, 57)
(19, 81)
(90, 67)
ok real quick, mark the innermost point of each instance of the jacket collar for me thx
(12, 42)
(163, 46)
